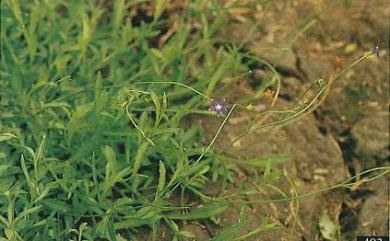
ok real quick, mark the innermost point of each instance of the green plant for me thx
(92, 110)
(92, 142)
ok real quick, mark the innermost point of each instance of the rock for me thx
(373, 219)
(292, 87)
(275, 53)
(372, 139)
(315, 64)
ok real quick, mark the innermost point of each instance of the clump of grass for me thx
(91, 118)
(91, 134)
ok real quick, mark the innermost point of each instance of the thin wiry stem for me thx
(344, 184)
(175, 83)
(216, 135)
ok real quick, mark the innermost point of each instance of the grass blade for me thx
(161, 181)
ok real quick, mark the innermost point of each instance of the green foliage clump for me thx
(91, 123)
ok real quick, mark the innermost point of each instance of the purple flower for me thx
(374, 49)
(218, 106)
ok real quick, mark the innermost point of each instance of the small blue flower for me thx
(218, 106)
(375, 49)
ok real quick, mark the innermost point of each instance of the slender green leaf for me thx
(157, 104)
(57, 205)
(7, 136)
(111, 230)
(159, 8)
(26, 212)
(161, 180)
(110, 156)
(139, 157)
